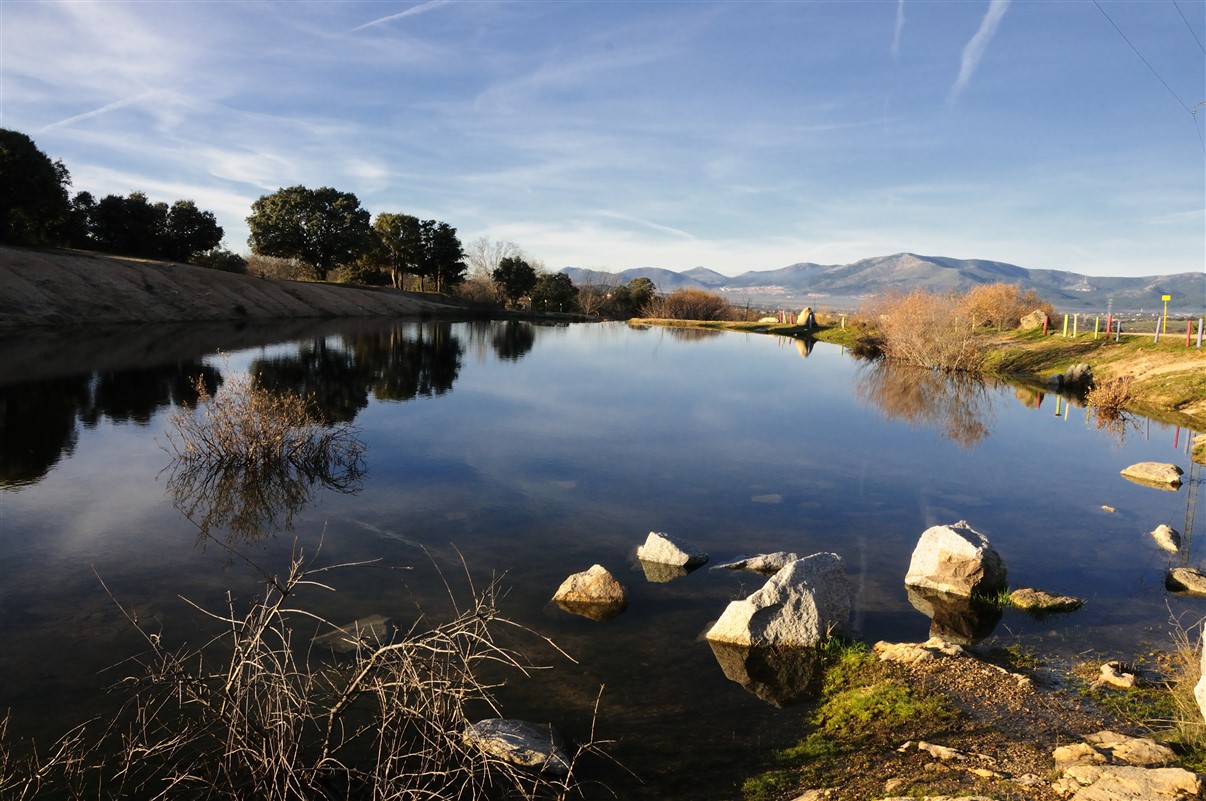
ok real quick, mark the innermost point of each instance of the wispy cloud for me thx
(87, 115)
(899, 29)
(666, 229)
(975, 48)
(422, 8)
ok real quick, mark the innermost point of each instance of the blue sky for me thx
(609, 135)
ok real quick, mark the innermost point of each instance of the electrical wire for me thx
(1192, 32)
(1152, 69)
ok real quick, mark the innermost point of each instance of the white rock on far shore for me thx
(667, 550)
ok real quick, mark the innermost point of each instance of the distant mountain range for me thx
(842, 286)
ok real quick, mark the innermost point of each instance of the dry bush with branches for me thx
(251, 427)
(256, 714)
(277, 268)
(923, 329)
(1001, 306)
(688, 304)
(1111, 397)
(248, 459)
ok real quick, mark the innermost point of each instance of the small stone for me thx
(1115, 674)
(1077, 754)
(940, 751)
(1041, 601)
(667, 550)
(1167, 537)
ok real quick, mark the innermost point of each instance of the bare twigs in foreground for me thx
(254, 714)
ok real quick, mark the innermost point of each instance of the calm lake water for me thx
(538, 451)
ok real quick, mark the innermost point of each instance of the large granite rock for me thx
(1033, 320)
(801, 605)
(1154, 474)
(666, 550)
(521, 743)
(956, 559)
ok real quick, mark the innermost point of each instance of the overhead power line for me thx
(1152, 69)
(1192, 32)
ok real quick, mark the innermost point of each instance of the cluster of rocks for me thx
(1162, 476)
(1106, 766)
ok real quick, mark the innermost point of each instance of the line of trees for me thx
(36, 209)
(295, 232)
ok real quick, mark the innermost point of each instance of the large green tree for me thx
(515, 278)
(323, 228)
(34, 204)
(189, 231)
(399, 245)
(554, 292)
(131, 226)
(443, 256)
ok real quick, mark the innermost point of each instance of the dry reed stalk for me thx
(251, 714)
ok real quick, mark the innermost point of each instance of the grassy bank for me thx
(1168, 378)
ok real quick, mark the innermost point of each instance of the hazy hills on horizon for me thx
(843, 285)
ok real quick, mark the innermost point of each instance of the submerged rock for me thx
(521, 743)
(367, 632)
(1031, 600)
(801, 605)
(761, 563)
(956, 559)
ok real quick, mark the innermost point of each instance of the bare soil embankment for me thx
(72, 287)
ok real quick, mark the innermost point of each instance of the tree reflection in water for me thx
(957, 405)
(39, 419)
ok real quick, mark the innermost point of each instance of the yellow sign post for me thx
(1166, 299)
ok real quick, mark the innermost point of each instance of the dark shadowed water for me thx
(535, 452)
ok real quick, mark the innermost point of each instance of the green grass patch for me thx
(859, 705)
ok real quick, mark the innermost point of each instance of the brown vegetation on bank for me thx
(69, 287)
